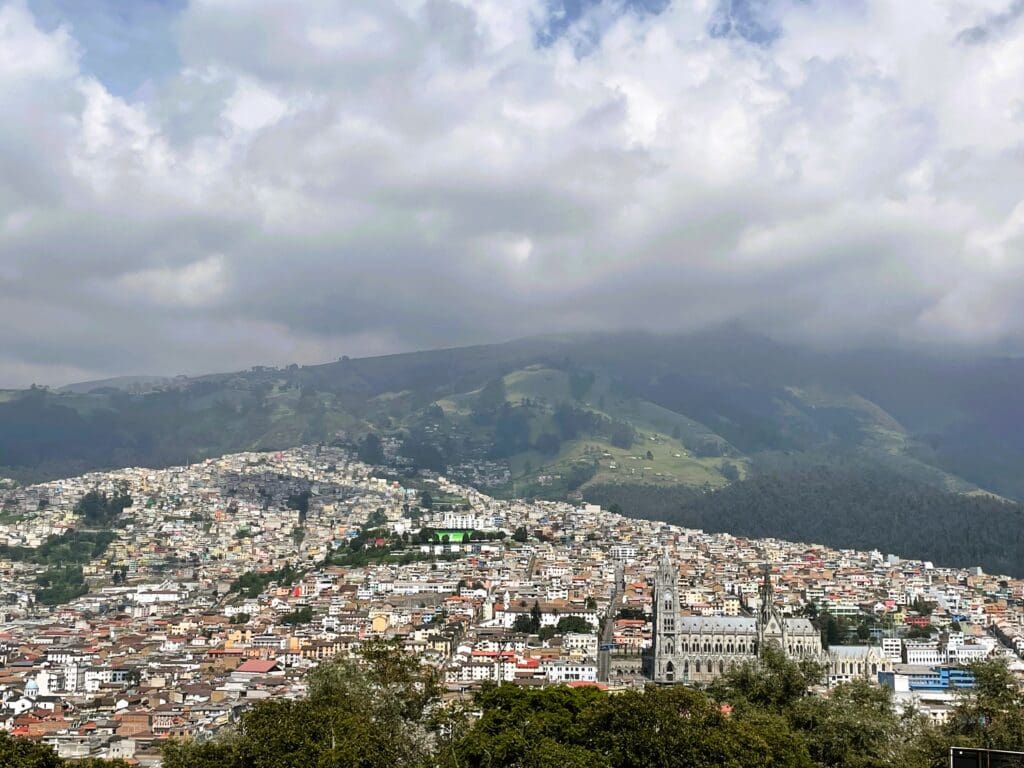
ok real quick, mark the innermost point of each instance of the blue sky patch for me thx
(124, 42)
(564, 14)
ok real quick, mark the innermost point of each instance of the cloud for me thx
(302, 180)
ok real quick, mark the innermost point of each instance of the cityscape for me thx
(511, 384)
(222, 583)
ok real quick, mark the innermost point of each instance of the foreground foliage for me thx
(384, 711)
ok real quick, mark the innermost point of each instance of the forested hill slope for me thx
(858, 509)
(561, 412)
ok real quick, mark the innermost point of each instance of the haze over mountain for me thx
(649, 422)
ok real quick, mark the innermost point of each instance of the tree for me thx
(511, 431)
(991, 714)
(852, 728)
(574, 624)
(300, 503)
(491, 398)
(832, 630)
(774, 681)
(522, 727)
(863, 631)
(922, 606)
(622, 435)
(60, 585)
(523, 623)
(535, 616)
(548, 443)
(99, 509)
(302, 615)
(22, 753)
(371, 712)
(677, 726)
(520, 534)
(371, 449)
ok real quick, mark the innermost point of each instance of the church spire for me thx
(766, 627)
(767, 593)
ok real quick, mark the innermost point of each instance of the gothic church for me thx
(697, 649)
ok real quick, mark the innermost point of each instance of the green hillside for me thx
(857, 506)
(562, 414)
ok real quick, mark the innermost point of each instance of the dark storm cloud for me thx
(305, 180)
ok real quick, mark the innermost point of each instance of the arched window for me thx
(874, 669)
(696, 667)
(670, 672)
(721, 667)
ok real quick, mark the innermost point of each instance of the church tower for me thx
(770, 626)
(666, 619)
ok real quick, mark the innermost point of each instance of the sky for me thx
(203, 185)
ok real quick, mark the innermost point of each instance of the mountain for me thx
(851, 506)
(134, 384)
(563, 413)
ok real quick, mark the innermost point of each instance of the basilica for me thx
(697, 649)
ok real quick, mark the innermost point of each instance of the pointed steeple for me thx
(769, 623)
(767, 594)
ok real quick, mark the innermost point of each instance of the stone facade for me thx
(698, 649)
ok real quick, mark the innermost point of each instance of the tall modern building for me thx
(697, 649)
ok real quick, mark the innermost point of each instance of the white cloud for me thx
(197, 284)
(324, 178)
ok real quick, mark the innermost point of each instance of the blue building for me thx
(907, 677)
